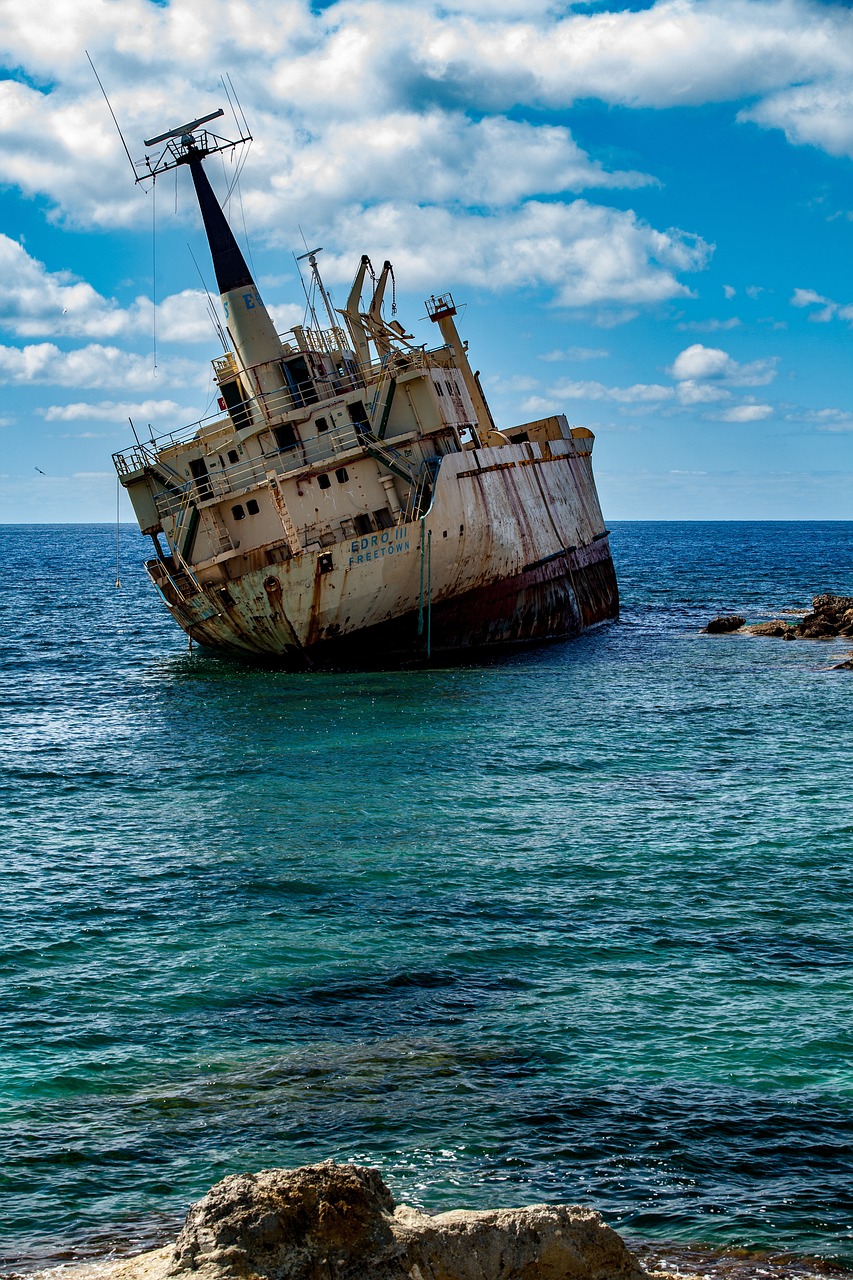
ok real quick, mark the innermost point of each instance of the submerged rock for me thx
(339, 1222)
(728, 622)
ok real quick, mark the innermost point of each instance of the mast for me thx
(250, 326)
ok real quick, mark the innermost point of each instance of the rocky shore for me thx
(340, 1222)
(831, 618)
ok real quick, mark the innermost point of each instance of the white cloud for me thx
(423, 88)
(94, 366)
(691, 393)
(829, 310)
(729, 291)
(825, 419)
(819, 115)
(710, 326)
(701, 362)
(585, 253)
(640, 393)
(698, 362)
(119, 412)
(36, 302)
(746, 413)
(575, 353)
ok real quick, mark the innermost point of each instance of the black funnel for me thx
(228, 262)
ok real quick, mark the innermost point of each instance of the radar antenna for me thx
(187, 142)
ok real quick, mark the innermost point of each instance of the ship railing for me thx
(267, 408)
(251, 473)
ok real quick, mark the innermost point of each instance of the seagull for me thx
(41, 473)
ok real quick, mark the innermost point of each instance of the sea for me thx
(570, 925)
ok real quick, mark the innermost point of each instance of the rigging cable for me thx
(245, 228)
(118, 532)
(154, 269)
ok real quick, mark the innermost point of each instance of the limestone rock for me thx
(832, 604)
(831, 616)
(778, 627)
(727, 622)
(339, 1222)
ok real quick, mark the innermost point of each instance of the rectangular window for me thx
(363, 524)
(198, 471)
(285, 435)
(252, 507)
(238, 513)
(299, 380)
(342, 475)
(357, 412)
(322, 424)
(383, 518)
(235, 398)
(324, 482)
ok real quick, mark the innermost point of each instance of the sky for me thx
(644, 213)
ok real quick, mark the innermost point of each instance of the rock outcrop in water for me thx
(727, 622)
(339, 1222)
(831, 616)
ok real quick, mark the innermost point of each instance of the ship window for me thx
(326, 563)
(237, 512)
(253, 508)
(235, 398)
(322, 424)
(324, 482)
(357, 411)
(363, 524)
(299, 380)
(438, 388)
(342, 475)
(383, 518)
(198, 471)
(285, 435)
(233, 456)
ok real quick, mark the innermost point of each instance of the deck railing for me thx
(251, 473)
(269, 408)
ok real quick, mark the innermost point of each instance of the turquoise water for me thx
(574, 925)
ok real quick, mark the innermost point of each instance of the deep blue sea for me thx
(574, 925)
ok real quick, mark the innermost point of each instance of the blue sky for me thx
(645, 213)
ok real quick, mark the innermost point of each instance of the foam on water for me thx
(574, 925)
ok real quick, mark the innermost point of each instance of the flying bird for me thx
(41, 473)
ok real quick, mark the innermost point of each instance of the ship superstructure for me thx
(353, 500)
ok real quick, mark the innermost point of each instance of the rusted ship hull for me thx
(535, 607)
(543, 603)
(482, 569)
